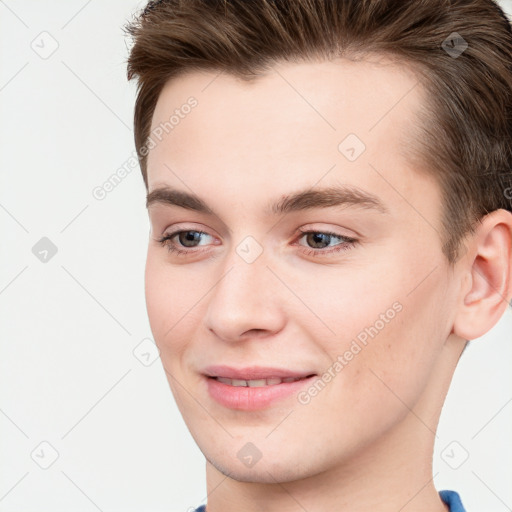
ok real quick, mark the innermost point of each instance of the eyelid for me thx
(303, 232)
(328, 227)
(187, 226)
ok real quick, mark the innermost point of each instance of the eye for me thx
(186, 238)
(185, 242)
(318, 240)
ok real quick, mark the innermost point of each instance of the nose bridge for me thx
(244, 298)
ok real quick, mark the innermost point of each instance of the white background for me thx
(69, 327)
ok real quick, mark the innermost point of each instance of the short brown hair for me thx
(465, 137)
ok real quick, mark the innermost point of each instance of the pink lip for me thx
(252, 398)
(252, 372)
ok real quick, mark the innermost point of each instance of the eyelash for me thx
(347, 243)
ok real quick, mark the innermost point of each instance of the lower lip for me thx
(247, 398)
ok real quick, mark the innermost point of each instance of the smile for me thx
(257, 383)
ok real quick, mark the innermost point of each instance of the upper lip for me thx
(252, 372)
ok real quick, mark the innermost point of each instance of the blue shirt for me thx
(451, 498)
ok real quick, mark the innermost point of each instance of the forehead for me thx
(325, 89)
(288, 128)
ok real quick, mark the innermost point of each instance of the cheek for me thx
(390, 323)
(398, 360)
(159, 302)
(175, 303)
(167, 299)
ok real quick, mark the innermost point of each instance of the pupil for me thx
(189, 236)
(320, 238)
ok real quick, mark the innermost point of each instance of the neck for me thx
(394, 476)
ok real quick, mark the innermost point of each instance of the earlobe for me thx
(490, 270)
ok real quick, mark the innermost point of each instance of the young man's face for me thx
(253, 290)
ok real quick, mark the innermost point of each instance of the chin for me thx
(261, 472)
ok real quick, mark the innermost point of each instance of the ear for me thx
(487, 269)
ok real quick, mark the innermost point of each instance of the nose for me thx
(245, 301)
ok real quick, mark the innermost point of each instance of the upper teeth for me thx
(256, 383)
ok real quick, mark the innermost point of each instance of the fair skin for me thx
(365, 441)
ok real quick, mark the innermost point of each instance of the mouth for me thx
(258, 390)
(259, 383)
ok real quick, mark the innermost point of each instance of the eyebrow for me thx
(343, 195)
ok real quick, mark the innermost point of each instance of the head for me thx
(342, 173)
